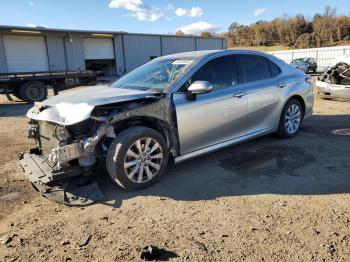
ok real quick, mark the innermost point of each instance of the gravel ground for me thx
(264, 200)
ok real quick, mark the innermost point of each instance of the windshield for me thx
(156, 76)
(300, 61)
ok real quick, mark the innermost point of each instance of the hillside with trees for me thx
(327, 29)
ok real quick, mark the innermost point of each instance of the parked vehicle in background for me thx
(32, 86)
(308, 65)
(175, 107)
(335, 83)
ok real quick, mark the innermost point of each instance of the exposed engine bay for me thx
(338, 74)
(335, 83)
(63, 165)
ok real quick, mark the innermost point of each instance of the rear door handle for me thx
(239, 94)
(282, 85)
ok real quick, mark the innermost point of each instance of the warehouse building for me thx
(24, 49)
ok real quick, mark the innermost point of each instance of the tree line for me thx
(321, 30)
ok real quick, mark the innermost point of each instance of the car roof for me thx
(303, 58)
(208, 53)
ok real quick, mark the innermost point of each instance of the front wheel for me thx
(137, 158)
(291, 118)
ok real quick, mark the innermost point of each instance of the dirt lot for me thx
(265, 200)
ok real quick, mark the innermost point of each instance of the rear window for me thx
(275, 70)
(254, 68)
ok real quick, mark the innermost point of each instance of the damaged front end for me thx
(64, 165)
(63, 154)
(335, 83)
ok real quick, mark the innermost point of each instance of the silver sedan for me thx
(174, 107)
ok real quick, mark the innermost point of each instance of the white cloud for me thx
(31, 3)
(138, 9)
(198, 27)
(260, 11)
(193, 12)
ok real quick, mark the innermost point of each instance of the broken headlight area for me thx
(338, 74)
(80, 145)
(61, 133)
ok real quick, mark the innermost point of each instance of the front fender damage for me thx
(78, 184)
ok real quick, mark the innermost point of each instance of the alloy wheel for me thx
(143, 160)
(292, 118)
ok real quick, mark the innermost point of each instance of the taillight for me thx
(308, 79)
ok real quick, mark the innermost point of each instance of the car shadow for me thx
(14, 109)
(313, 163)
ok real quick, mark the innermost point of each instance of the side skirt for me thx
(221, 145)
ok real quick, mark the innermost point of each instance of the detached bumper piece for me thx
(68, 185)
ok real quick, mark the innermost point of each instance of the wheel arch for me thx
(159, 125)
(300, 99)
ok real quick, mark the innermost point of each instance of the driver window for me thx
(220, 72)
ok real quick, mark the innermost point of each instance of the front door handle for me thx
(282, 85)
(239, 94)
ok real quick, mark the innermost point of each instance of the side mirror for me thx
(200, 87)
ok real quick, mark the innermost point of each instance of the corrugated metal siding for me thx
(55, 49)
(209, 43)
(139, 49)
(75, 52)
(3, 67)
(119, 54)
(98, 48)
(172, 45)
(26, 53)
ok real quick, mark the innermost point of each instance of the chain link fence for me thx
(325, 56)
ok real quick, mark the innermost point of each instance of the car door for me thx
(213, 117)
(260, 78)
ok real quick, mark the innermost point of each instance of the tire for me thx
(33, 91)
(118, 154)
(283, 130)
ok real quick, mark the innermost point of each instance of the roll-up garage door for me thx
(25, 53)
(98, 48)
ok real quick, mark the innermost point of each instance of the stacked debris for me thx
(338, 74)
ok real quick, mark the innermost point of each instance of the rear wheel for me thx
(291, 118)
(33, 91)
(137, 158)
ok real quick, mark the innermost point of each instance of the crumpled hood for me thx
(75, 106)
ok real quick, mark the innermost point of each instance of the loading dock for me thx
(25, 53)
(99, 55)
(24, 49)
(66, 58)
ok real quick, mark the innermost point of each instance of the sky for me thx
(155, 16)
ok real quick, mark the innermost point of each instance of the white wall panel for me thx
(25, 53)
(98, 48)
